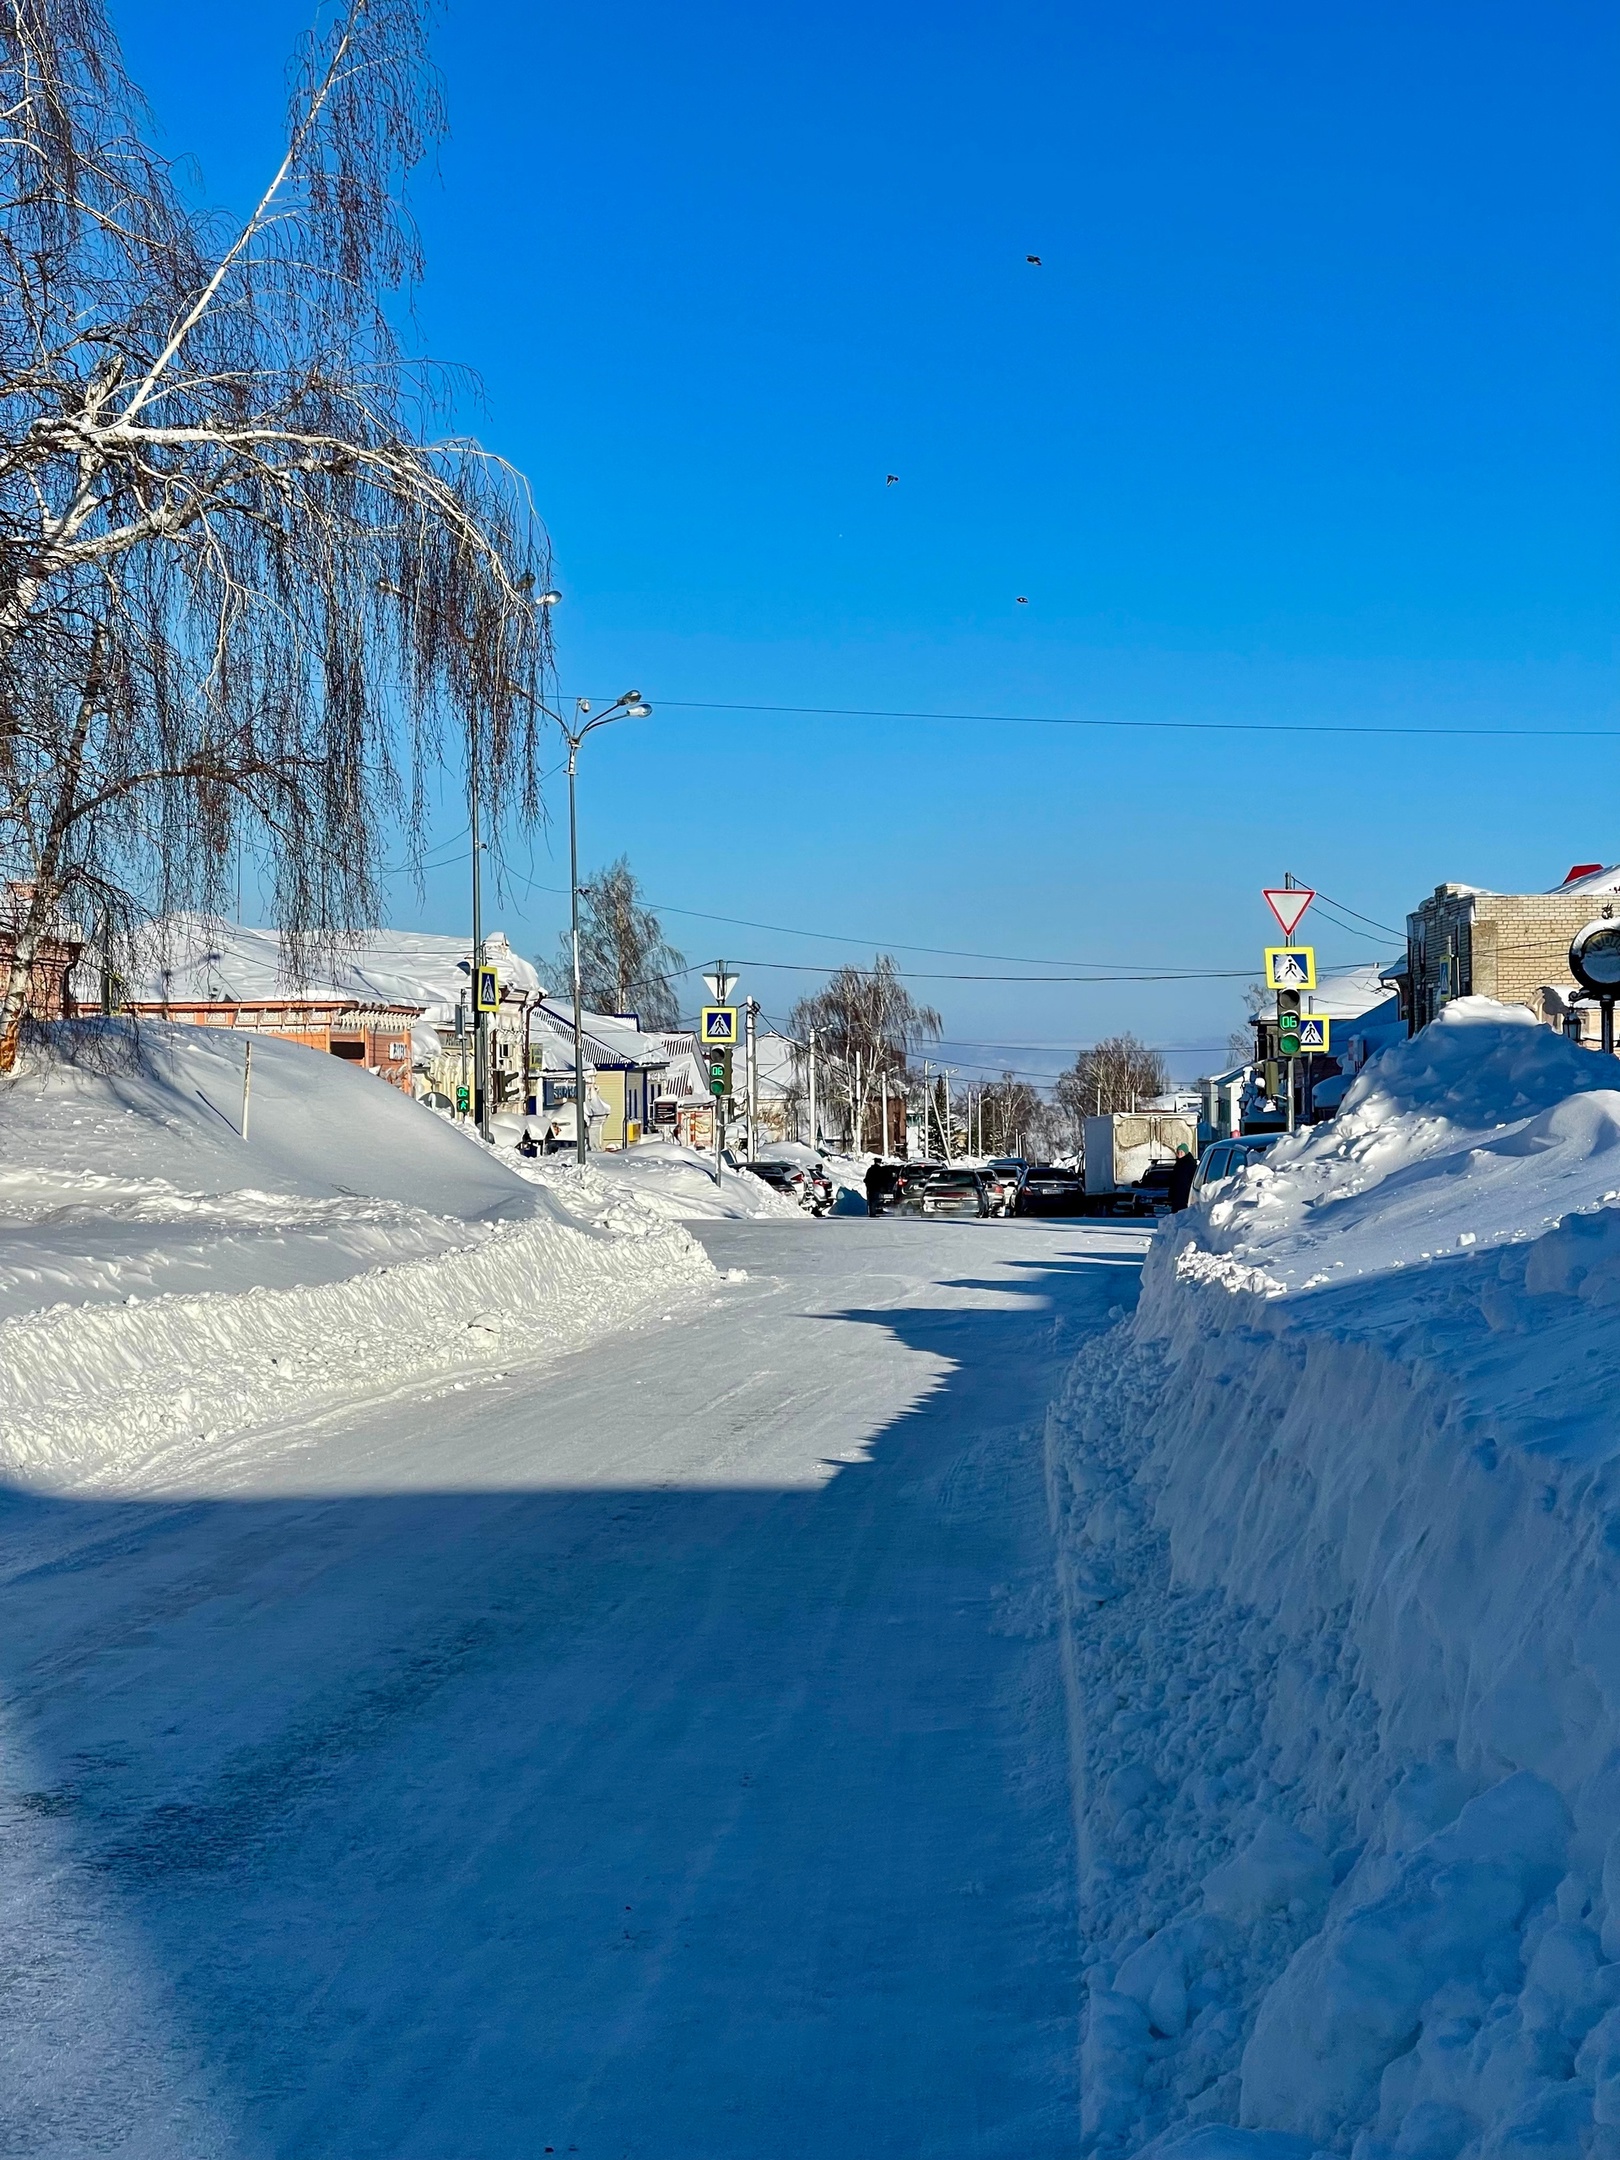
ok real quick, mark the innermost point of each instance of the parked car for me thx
(1049, 1191)
(792, 1180)
(1001, 1181)
(904, 1178)
(1224, 1160)
(883, 1183)
(945, 1192)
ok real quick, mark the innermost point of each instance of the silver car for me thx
(947, 1192)
(1225, 1160)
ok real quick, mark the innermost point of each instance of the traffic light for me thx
(719, 1070)
(1288, 1023)
(463, 1101)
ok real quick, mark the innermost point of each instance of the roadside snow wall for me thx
(168, 1289)
(1342, 1573)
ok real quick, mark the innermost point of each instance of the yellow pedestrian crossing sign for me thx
(487, 984)
(719, 1024)
(1290, 967)
(1314, 1031)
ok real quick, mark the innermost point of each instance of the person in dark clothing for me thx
(877, 1178)
(1182, 1172)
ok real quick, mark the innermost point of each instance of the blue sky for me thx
(1307, 416)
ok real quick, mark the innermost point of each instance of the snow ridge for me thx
(1341, 1533)
(127, 1394)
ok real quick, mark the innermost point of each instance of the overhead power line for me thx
(1097, 970)
(1184, 727)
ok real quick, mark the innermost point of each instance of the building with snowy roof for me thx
(1467, 941)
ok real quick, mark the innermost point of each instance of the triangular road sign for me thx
(720, 985)
(1288, 903)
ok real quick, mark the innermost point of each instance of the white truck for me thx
(1122, 1147)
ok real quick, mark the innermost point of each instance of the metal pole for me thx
(946, 1134)
(884, 1148)
(815, 1135)
(480, 1017)
(719, 1101)
(581, 1134)
(247, 1081)
(925, 1110)
(1606, 1007)
(749, 1011)
(856, 1105)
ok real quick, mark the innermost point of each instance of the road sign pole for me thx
(814, 1138)
(752, 1076)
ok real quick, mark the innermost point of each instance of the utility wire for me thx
(1193, 727)
(835, 937)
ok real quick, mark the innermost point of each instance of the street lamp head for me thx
(547, 599)
(638, 711)
(630, 697)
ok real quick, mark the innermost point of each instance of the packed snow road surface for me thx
(660, 1753)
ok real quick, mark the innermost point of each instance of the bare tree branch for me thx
(247, 598)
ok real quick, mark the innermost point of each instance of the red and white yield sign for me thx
(1288, 903)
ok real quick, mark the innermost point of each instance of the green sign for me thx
(463, 1101)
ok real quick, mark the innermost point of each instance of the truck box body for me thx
(1121, 1145)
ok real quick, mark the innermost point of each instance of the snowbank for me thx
(1342, 1559)
(675, 1183)
(166, 1286)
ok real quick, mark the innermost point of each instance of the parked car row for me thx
(1008, 1186)
(809, 1185)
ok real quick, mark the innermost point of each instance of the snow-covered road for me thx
(663, 1753)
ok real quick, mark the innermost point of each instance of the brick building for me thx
(375, 1036)
(50, 973)
(1465, 941)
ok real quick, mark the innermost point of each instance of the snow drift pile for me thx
(673, 1182)
(1341, 1516)
(166, 1284)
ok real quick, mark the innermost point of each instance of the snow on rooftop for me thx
(1592, 878)
(192, 958)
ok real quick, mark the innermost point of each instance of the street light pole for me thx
(631, 706)
(580, 1137)
(480, 1017)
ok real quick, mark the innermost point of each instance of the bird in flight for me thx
(889, 479)
(1035, 259)
(1023, 600)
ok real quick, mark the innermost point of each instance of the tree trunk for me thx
(46, 896)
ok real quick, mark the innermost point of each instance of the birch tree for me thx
(248, 597)
(1118, 1073)
(867, 1023)
(626, 964)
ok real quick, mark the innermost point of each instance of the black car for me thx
(1046, 1191)
(883, 1183)
(899, 1178)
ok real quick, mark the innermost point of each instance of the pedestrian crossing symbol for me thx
(1313, 1032)
(719, 1024)
(1290, 967)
